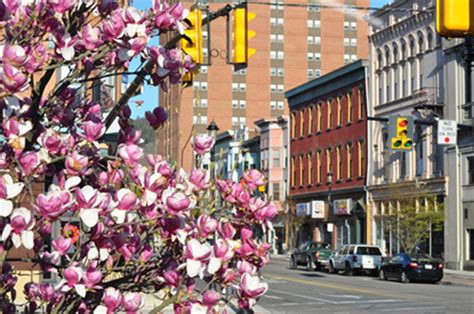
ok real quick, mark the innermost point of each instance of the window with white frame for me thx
(347, 57)
(273, 21)
(310, 56)
(281, 88)
(273, 54)
(242, 87)
(203, 85)
(317, 40)
(280, 39)
(347, 25)
(196, 85)
(280, 105)
(235, 121)
(204, 35)
(273, 105)
(243, 71)
(204, 52)
(204, 103)
(242, 104)
(281, 71)
(235, 87)
(195, 120)
(353, 42)
(204, 120)
(317, 24)
(273, 38)
(346, 42)
(281, 55)
(310, 23)
(310, 73)
(273, 71)
(235, 104)
(280, 21)
(353, 57)
(203, 68)
(317, 56)
(272, 88)
(317, 73)
(310, 40)
(242, 121)
(353, 26)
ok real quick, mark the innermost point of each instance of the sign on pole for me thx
(447, 132)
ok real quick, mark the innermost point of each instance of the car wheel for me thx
(348, 270)
(318, 267)
(309, 263)
(404, 277)
(382, 275)
(293, 264)
(332, 270)
(374, 272)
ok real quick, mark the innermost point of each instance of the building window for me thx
(360, 158)
(281, 88)
(470, 165)
(328, 160)
(235, 104)
(280, 105)
(339, 163)
(235, 87)
(310, 56)
(347, 42)
(242, 104)
(203, 103)
(276, 158)
(319, 118)
(293, 171)
(317, 56)
(276, 191)
(310, 120)
(317, 73)
(242, 87)
(329, 103)
(301, 181)
(273, 105)
(349, 160)
(281, 72)
(404, 88)
(349, 107)
(302, 124)
(395, 90)
(273, 54)
(272, 88)
(281, 55)
(310, 40)
(353, 42)
(347, 58)
(309, 158)
(347, 25)
(320, 166)
(203, 68)
(273, 72)
(360, 104)
(339, 111)
(419, 150)
(293, 124)
(353, 26)
(235, 121)
(310, 73)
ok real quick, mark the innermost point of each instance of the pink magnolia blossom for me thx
(226, 230)
(171, 278)
(62, 245)
(30, 163)
(130, 154)
(157, 117)
(61, 6)
(203, 143)
(90, 37)
(92, 130)
(112, 299)
(222, 252)
(92, 277)
(13, 80)
(210, 298)
(65, 46)
(253, 179)
(15, 55)
(200, 179)
(20, 228)
(262, 210)
(46, 291)
(53, 204)
(251, 287)
(197, 254)
(132, 302)
(76, 163)
(126, 199)
(206, 225)
(176, 201)
(8, 190)
(114, 27)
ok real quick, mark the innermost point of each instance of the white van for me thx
(356, 257)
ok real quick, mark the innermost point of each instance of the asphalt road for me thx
(301, 291)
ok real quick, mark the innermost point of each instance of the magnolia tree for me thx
(106, 228)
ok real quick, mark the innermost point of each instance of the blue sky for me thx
(150, 95)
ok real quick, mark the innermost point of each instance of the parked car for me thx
(355, 258)
(412, 267)
(312, 255)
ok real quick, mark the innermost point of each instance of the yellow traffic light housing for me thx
(453, 18)
(401, 133)
(242, 34)
(191, 43)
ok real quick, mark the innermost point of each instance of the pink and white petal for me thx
(72, 182)
(193, 267)
(214, 265)
(27, 238)
(6, 232)
(67, 53)
(16, 239)
(100, 310)
(118, 215)
(90, 217)
(6, 208)
(81, 290)
(14, 189)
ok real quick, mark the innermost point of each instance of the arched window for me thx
(309, 158)
(412, 47)
(430, 38)
(404, 49)
(349, 159)
(301, 166)
(319, 166)
(339, 163)
(339, 110)
(379, 60)
(421, 43)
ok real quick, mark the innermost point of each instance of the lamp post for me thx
(329, 184)
(212, 129)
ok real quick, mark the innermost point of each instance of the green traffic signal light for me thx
(408, 144)
(397, 143)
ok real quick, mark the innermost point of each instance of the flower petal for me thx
(6, 208)
(72, 182)
(16, 240)
(6, 232)
(193, 267)
(81, 290)
(90, 217)
(214, 265)
(14, 189)
(27, 238)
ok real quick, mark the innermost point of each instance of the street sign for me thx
(447, 132)
(317, 209)
(342, 207)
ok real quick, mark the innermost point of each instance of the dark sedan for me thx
(412, 267)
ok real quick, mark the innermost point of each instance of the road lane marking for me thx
(303, 296)
(272, 297)
(413, 308)
(333, 286)
(299, 303)
(344, 296)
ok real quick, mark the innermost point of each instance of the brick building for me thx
(328, 156)
(293, 43)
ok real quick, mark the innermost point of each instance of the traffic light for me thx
(453, 18)
(401, 133)
(191, 43)
(242, 34)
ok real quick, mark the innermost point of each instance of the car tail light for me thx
(440, 266)
(354, 258)
(413, 265)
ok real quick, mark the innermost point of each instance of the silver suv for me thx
(356, 257)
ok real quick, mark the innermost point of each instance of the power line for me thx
(333, 6)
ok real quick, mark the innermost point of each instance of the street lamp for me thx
(212, 129)
(329, 183)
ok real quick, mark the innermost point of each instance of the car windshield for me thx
(323, 246)
(420, 257)
(303, 245)
(365, 250)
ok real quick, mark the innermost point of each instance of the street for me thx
(301, 291)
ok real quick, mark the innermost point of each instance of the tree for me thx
(414, 219)
(124, 228)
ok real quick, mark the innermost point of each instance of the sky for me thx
(150, 95)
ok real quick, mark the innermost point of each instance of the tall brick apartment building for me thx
(328, 156)
(294, 44)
